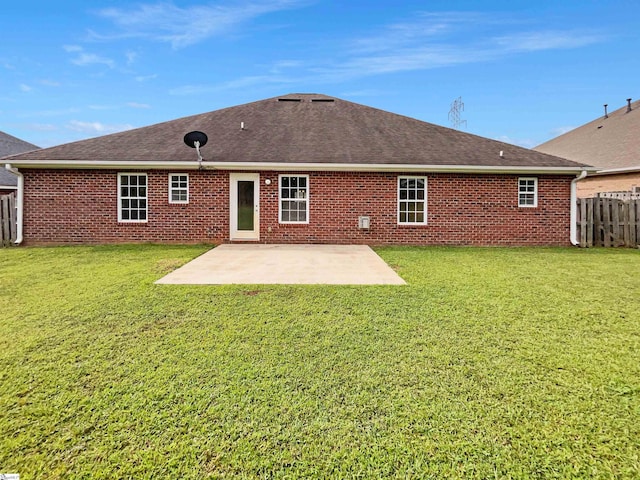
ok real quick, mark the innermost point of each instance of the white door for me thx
(244, 203)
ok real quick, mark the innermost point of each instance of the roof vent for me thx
(323, 100)
(606, 115)
(289, 99)
(628, 105)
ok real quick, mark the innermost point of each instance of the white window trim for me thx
(171, 189)
(535, 192)
(426, 195)
(138, 174)
(307, 199)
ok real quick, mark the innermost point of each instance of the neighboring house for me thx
(302, 168)
(8, 182)
(611, 143)
(8, 146)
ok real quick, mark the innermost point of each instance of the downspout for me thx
(19, 202)
(574, 208)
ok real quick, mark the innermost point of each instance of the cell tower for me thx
(457, 106)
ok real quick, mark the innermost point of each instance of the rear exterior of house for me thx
(296, 169)
(65, 206)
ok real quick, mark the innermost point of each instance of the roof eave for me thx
(105, 164)
(395, 167)
(283, 166)
(614, 171)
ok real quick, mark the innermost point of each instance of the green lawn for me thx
(490, 363)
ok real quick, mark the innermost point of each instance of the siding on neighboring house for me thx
(622, 182)
(81, 206)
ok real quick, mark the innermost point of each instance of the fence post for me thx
(582, 221)
(589, 225)
(634, 220)
(616, 234)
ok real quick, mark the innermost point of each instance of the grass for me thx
(491, 363)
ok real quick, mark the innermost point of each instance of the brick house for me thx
(611, 143)
(302, 168)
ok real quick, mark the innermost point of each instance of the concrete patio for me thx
(286, 264)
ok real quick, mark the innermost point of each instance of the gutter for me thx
(293, 167)
(617, 171)
(19, 202)
(574, 209)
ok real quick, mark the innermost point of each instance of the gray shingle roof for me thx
(7, 179)
(10, 145)
(607, 143)
(301, 129)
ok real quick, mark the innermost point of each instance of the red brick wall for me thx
(64, 206)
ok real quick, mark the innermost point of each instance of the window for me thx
(527, 192)
(132, 197)
(412, 200)
(294, 199)
(178, 188)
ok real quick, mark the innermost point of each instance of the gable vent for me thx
(323, 100)
(289, 99)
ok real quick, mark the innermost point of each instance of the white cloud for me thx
(39, 127)
(556, 132)
(427, 26)
(86, 59)
(546, 40)
(144, 78)
(436, 40)
(131, 57)
(367, 92)
(521, 142)
(138, 105)
(183, 26)
(96, 128)
(233, 84)
(102, 107)
(281, 65)
(49, 113)
(114, 107)
(25, 88)
(49, 83)
(428, 41)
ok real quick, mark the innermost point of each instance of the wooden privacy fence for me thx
(7, 220)
(608, 222)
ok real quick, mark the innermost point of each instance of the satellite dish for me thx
(195, 139)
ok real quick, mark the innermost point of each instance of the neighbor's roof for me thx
(7, 179)
(299, 131)
(611, 144)
(10, 145)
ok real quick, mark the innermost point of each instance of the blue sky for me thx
(525, 70)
